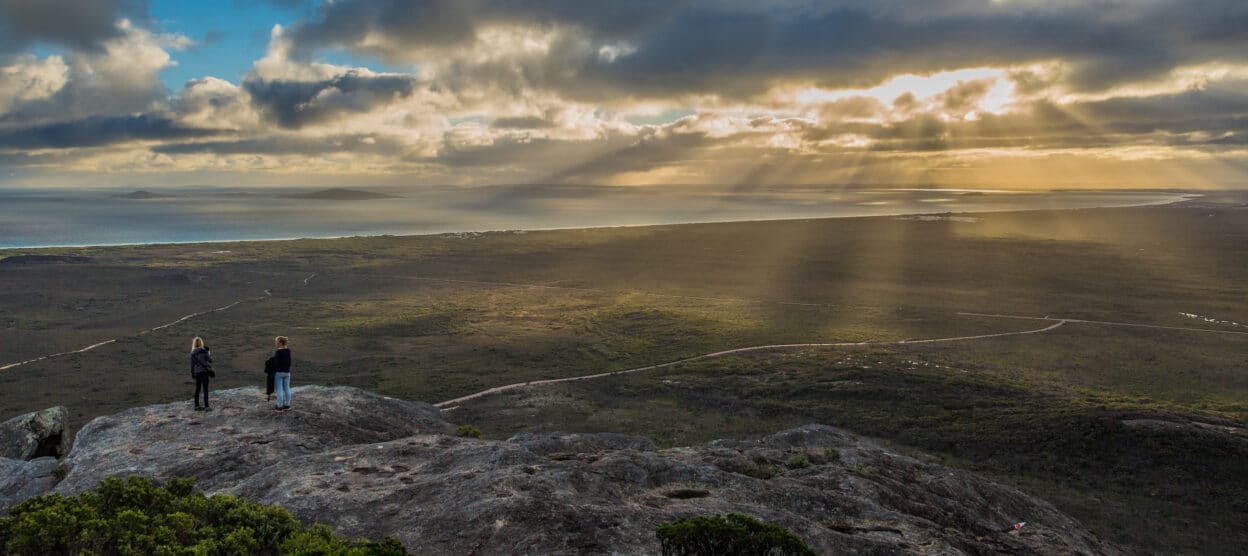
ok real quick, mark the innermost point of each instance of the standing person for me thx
(270, 367)
(281, 374)
(201, 371)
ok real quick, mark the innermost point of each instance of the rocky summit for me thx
(372, 466)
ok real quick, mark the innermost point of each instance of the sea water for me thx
(63, 217)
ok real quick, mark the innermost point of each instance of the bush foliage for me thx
(468, 431)
(731, 535)
(135, 516)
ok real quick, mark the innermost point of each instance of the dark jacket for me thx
(201, 361)
(281, 359)
(270, 366)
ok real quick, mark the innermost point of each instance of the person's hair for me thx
(197, 343)
(282, 340)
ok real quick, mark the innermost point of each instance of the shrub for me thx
(468, 431)
(730, 535)
(764, 471)
(134, 516)
(798, 461)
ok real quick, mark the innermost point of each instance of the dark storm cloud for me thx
(739, 48)
(280, 145)
(294, 104)
(94, 132)
(409, 24)
(73, 23)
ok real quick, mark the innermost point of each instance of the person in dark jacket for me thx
(201, 371)
(270, 368)
(281, 374)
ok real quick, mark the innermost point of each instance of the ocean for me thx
(63, 217)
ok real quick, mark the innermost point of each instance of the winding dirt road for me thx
(184, 318)
(1107, 323)
(46, 357)
(497, 389)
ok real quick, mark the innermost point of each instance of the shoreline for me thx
(1178, 198)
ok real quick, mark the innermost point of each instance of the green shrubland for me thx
(730, 535)
(137, 517)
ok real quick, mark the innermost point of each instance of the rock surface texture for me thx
(372, 466)
(20, 480)
(35, 435)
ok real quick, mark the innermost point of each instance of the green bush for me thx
(731, 535)
(468, 431)
(798, 461)
(134, 516)
(763, 471)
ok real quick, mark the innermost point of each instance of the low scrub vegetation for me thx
(731, 535)
(135, 516)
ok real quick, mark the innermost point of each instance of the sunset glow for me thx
(956, 93)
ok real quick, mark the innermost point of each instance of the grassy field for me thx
(1137, 431)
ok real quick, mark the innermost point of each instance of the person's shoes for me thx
(207, 408)
(278, 410)
(198, 408)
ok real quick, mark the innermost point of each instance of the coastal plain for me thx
(1129, 416)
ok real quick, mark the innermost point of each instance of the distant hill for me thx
(340, 194)
(141, 195)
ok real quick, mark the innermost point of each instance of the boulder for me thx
(440, 494)
(35, 435)
(241, 436)
(20, 479)
(372, 466)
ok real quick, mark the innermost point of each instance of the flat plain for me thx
(1130, 415)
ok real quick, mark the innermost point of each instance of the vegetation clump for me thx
(730, 535)
(797, 461)
(468, 431)
(135, 516)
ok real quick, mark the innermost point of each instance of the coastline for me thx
(1173, 199)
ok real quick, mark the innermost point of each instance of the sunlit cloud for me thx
(953, 92)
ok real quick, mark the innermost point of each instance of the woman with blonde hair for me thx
(201, 371)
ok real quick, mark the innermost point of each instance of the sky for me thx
(948, 93)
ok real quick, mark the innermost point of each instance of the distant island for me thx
(340, 194)
(141, 195)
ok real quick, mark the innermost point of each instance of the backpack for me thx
(200, 357)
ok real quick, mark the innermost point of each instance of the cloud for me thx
(294, 104)
(289, 145)
(117, 76)
(396, 28)
(80, 25)
(94, 132)
(739, 48)
(646, 91)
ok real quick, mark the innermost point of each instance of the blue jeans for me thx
(281, 382)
